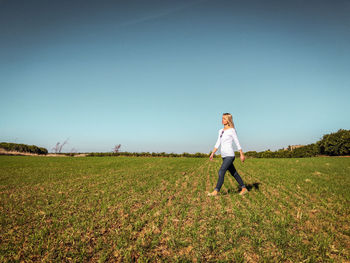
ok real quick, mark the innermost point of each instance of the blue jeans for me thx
(227, 164)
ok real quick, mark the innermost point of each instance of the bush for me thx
(23, 148)
(337, 143)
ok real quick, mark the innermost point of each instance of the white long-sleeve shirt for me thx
(226, 141)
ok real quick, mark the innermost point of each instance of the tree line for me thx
(333, 144)
(148, 154)
(18, 147)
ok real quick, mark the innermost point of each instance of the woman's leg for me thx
(235, 174)
(226, 162)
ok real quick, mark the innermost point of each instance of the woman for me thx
(226, 137)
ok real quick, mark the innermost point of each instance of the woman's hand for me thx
(242, 157)
(211, 156)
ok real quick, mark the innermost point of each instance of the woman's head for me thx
(227, 119)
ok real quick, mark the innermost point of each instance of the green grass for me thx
(107, 209)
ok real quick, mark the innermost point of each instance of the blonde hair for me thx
(228, 117)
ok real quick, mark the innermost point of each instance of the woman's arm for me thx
(217, 144)
(235, 138)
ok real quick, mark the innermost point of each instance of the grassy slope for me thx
(115, 208)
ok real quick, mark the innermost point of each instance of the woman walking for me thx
(226, 137)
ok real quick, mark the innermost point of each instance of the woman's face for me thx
(224, 121)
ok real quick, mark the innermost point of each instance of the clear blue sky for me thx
(157, 75)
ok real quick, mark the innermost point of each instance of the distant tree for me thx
(58, 147)
(116, 148)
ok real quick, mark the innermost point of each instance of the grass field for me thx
(98, 209)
